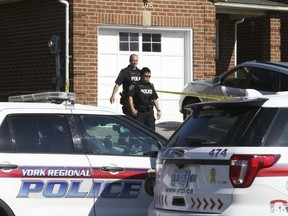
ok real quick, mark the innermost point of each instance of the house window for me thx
(151, 42)
(129, 41)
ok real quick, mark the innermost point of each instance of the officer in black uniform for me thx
(127, 76)
(143, 98)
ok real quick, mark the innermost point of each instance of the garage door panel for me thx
(173, 67)
(167, 96)
(108, 40)
(157, 81)
(153, 62)
(171, 114)
(108, 65)
(105, 103)
(123, 61)
(173, 43)
(104, 92)
(103, 100)
(105, 87)
(171, 85)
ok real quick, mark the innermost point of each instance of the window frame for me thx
(141, 42)
(123, 122)
(40, 136)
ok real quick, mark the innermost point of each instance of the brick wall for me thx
(198, 14)
(226, 44)
(284, 35)
(26, 64)
(275, 39)
(257, 39)
(252, 35)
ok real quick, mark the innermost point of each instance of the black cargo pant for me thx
(147, 118)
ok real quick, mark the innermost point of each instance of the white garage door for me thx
(166, 57)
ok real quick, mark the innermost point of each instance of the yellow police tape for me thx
(216, 97)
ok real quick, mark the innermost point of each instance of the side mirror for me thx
(216, 80)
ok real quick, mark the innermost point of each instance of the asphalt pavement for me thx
(166, 129)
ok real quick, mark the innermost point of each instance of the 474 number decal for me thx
(218, 153)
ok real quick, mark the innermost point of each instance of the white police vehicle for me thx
(229, 158)
(62, 158)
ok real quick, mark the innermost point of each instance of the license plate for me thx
(180, 178)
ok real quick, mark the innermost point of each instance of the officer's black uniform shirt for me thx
(143, 94)
(127, 76)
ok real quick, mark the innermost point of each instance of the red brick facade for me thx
(198, 14)
(26, 27)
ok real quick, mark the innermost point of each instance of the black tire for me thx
(5, 210)
(186, 112)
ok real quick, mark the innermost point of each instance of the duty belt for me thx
(144, 108)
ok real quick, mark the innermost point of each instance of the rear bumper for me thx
(160, 212)
(237, 209)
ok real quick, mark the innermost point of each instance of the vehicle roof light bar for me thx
(52, 97)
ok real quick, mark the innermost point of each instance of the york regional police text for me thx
(74, 188)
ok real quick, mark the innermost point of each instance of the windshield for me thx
(213, 125)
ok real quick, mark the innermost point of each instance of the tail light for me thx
(159, 166)
(244, 168)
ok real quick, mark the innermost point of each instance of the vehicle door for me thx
(43, 170)
(122, 155)
(265, 81)
(234, 83)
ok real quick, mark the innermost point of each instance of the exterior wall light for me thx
(145, 3)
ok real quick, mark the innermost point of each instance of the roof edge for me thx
(246, 6)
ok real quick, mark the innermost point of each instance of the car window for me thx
(45, 134)
(264, 80)
(256, 133)
(109, 135)
(6, 144)
(237, 78)
(284, 82)
(212, 126)
(278, 135)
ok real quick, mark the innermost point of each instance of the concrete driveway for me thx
(166, 129)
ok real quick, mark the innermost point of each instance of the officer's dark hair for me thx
(144, 70)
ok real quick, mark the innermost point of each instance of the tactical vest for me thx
(134, 76)
(143, 98)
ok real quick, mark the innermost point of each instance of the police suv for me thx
(229, 158)
(61, 158)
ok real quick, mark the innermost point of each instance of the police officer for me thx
(127, 76)
(142, 99)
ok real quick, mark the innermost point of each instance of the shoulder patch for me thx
(131, 87)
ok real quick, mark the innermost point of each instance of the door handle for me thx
(8, 166)
(179, 152)
(112, 169)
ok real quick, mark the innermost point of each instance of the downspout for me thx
(66, 46)
(236, 39)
